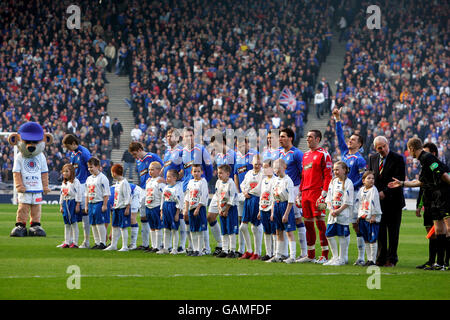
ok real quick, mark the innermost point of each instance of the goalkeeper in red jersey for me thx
(316, 176)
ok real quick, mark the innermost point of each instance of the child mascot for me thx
(30, 174)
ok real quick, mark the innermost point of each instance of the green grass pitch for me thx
(33, 268)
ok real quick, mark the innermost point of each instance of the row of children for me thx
(269, 200)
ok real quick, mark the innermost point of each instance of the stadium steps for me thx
(117, 90)
(331, 70)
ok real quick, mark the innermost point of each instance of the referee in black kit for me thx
(423, 202)
(435, 180)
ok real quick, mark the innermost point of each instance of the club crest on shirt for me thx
(31, 165)
(242, 169)
(265, 200)
(167, 195)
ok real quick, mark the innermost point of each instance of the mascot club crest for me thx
(31, 165)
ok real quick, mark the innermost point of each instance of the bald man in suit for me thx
(387, 164)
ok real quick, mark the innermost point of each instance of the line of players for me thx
(311, 173)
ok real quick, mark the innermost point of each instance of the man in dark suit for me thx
(386, 165)
(117, 130)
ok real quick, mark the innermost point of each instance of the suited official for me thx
(387, 164)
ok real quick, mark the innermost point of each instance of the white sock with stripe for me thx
(361, 248)
(215, 230)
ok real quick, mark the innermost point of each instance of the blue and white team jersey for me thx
(355, 162)
(228, 158)
(294, 159)
(142, 167)
(270, 154)
(172, 159)
(79, 159)
(243, 164)
(197, 155)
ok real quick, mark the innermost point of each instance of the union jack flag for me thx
(287, 98)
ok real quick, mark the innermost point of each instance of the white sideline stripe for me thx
(202, 275)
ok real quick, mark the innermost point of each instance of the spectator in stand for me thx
(117, 130)
(128, 161)
(394, 82)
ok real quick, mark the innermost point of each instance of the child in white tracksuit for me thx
(70, 205)
(339, 201)
(367, 214)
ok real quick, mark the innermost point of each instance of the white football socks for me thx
(183, 234)
(302, 241)
(373, 251)
(293, 249)
(166, 241)
(332, 243)
(206, 240)
(246, 234)
(115, 234)
(75, 233)
(175, 237)
(134, 235)
(102, 232)
(257, 237)
(86, 228)
(285, 244)
(232, 242)
(361, 248)
(225, 243)
(96, 234)
(268, 242)
(343, 248)
(67, 234)
(145, 233)
(215, 230)
(124, 232)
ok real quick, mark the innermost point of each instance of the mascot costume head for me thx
(30, 174)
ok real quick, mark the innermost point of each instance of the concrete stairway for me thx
(331, 70)
(117, 90)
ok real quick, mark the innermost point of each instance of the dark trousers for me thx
(116, 141)
(388, 236)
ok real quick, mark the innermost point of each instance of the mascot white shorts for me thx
(30, 198)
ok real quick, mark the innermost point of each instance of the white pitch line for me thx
(201, 275)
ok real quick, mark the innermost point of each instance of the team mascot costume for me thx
(30, 174)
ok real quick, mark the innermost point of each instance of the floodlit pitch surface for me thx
(33, 268)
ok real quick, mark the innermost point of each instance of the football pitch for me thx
(33, 268)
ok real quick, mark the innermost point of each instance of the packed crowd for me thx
(394, 81)
(52, 75)
(221, 63)
(225, 64)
